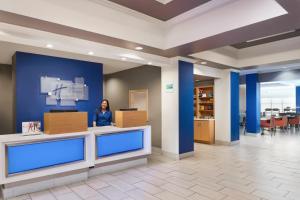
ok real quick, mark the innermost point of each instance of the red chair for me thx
(295, 121)
(282, 123)
(268, 124)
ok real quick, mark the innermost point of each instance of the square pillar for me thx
(297, 99)
(186, 107)
(234, 106)
(252, 104)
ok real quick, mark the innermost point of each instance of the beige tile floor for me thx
(258, 168)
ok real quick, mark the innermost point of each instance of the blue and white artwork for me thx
(64, 92)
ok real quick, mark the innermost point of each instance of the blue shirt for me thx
(102, 118)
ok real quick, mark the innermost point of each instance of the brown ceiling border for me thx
(282, 36)
(159, 10)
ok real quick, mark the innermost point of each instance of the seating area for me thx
(272, 119)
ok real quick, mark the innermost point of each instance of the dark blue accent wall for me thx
(186, 107)
(252, 103)
(234, 108)
(298, 99)
(31, 104)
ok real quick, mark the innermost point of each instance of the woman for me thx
(103, 115)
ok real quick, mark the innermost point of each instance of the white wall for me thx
(170, 109)
(222, 108)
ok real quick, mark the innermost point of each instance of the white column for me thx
(222, 108)
(170, 109)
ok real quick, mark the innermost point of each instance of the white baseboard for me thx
(186, 155)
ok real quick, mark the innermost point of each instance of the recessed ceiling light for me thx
(132, 56)
(50, 46)
(91, 53)
(203, 63)
(139, 48)
(149, 63)
(123, 58)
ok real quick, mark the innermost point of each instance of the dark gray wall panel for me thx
(117, 86)
(6, 99)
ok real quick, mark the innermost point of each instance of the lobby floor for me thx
(258, 168)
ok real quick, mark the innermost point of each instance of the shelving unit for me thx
(204, 102)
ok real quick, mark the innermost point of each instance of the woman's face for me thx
(104, 105)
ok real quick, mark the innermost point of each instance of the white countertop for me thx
(15, 138)
(114, 129)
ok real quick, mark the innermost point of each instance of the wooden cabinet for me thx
(130, 118)
(204, 131)
(65, 122)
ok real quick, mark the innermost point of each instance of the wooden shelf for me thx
(204, 105)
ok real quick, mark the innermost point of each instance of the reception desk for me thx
(42, 161)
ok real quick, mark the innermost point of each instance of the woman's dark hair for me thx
(107, 102)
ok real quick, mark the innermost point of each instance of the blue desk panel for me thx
(115, 143)
(25, 157)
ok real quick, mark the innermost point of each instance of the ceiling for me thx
(7, 50)
(159, 9)
(198, 78)
(195, 27)
(277, 55)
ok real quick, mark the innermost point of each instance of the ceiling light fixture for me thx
(139, 48)
(149, 63)
(50, 46)
(132, 56)
(203, 63)
(123, 58)
(261, 38)
(91, 53)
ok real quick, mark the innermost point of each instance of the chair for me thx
(282, 123)
(295, 121)
(269, 124)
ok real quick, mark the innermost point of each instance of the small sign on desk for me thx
(31, 128)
